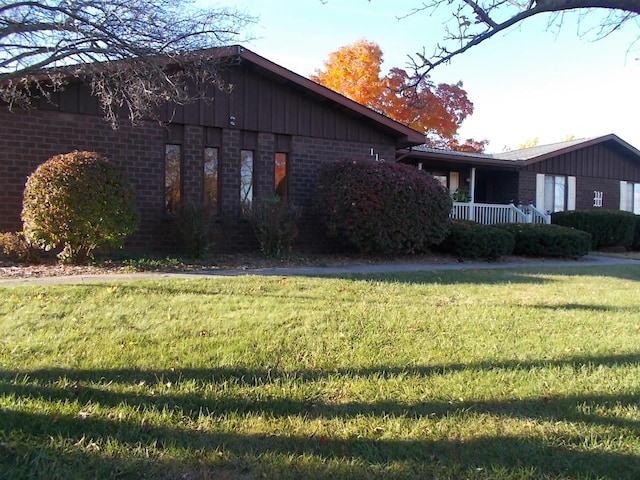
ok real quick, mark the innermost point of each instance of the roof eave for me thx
(470, 160)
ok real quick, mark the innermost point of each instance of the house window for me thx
(210, 175)
(172, 178)
(280, 179)
(442, 179)
(555, 193)
(633, 197)
(246, 181)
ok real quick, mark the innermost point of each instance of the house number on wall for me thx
(597, 198)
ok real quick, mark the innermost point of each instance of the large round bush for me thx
(78, 202)
(383, 207)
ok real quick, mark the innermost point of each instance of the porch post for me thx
(472, 194)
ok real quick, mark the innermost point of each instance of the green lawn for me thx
(496, 374)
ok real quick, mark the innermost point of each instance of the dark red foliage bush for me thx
(382, 207)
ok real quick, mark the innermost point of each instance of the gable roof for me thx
(521, 157)
(405, 136)
(542, 152)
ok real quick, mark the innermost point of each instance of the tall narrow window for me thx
(554, 193)
(172, 180)
(246, 181)
(633, 197)
(211, 179)
(280, 180)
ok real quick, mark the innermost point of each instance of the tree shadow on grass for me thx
(588, 308)
(173, 451)
(27, 437)
(251, 377)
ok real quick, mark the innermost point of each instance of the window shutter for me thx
(571, 193)
(454, 181)
(623, 195)
(540, 191)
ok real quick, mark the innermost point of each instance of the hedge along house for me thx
(527, 185)
(270, 131)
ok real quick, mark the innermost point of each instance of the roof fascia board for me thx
(470, 160)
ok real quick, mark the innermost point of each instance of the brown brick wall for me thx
(527, 187)
(31, 137)
(586, 186)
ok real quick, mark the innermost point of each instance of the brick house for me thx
(601, 172)
(271, 131)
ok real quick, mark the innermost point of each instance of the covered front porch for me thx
(484, 189)
(490, 213)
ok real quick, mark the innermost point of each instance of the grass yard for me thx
(496, 374)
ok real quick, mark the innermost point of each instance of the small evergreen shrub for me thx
(473, 240)
(16, 247)
(192, 229)
(635, 245)
(78, 202)
(534, 240)
(382, 207)
(608, 228)
(275, 224)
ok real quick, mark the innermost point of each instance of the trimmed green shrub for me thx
(635, 245)
(535, 240)
(192, 229)
(382, 207)
(608, 228)
(468, 239)
(16, 246)
(275, 224)
(78, 202)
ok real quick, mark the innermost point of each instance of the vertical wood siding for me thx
(604, 160)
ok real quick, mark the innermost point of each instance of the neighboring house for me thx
(601, 172)
(271, 131)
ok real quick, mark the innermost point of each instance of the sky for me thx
(528, 82)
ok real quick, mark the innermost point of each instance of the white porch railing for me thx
(489, 213)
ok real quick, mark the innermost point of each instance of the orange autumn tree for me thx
(437, 110)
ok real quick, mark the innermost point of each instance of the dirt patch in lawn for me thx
(48, 268)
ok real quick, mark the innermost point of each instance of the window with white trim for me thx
(555, 193)
(630, 197)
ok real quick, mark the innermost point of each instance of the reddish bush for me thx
(77, 202)
(382, 207)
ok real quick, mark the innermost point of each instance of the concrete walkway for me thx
(364, 269)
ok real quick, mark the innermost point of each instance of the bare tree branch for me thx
(121, 47)
(475, 21)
